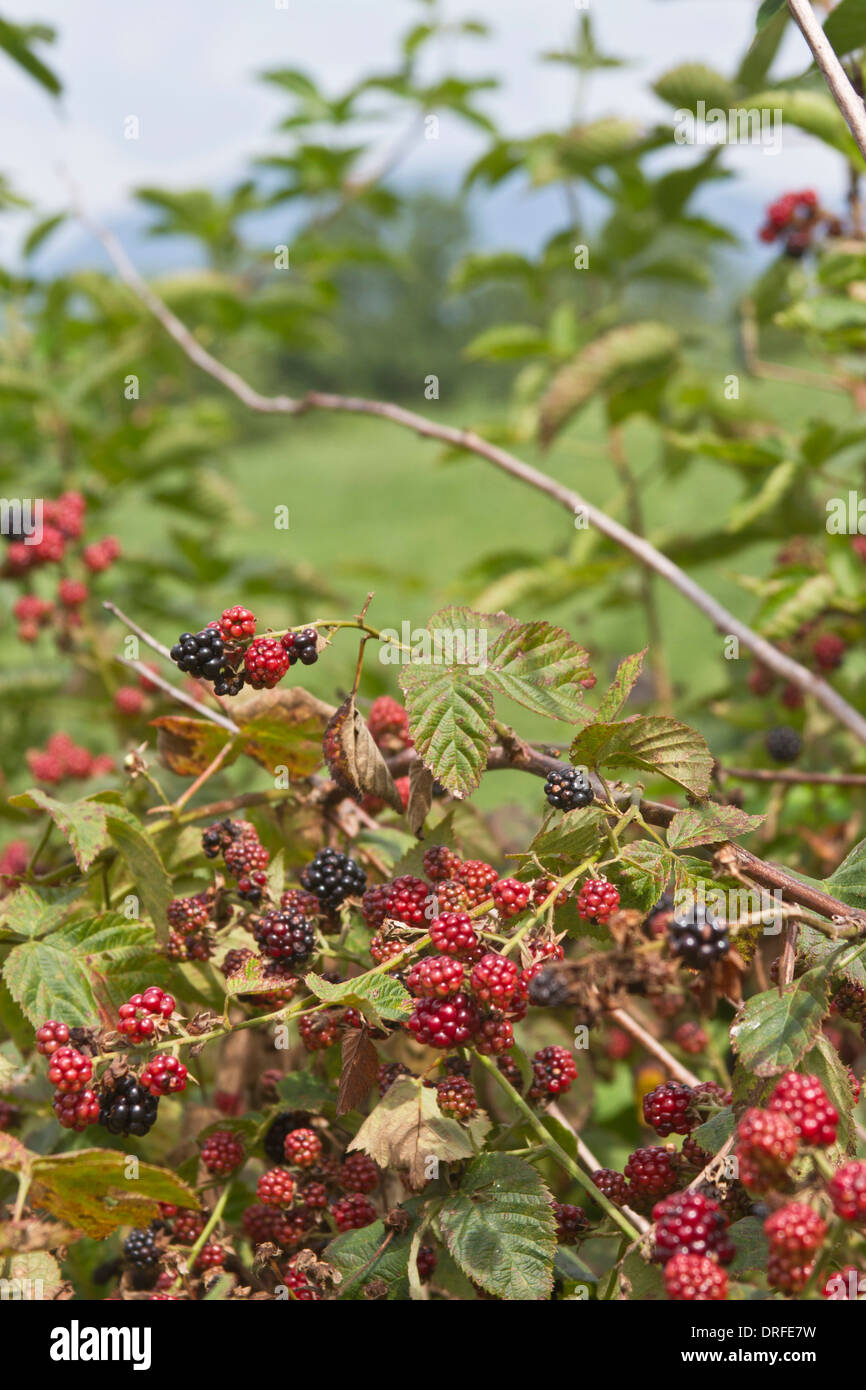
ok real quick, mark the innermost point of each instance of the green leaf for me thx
(845, 26)
(81, 823)
(407, 1129)
(500, 1228)
(451, 715)
(767, 10)
(761, 55)
(848, 880)
(813, 111)
(573, 838)
(188, 746)
(750, 1243)
(765, 499)
(151, 881)
(378, 997)
(284, 728)
(62, 976)
(540, 667)
(716, 1131)
(795, 603)
(507, 342)
(40, 233)
(708, 824)
(690, 83)
(353, 1255)
(621, 686)
(28, 913)
(623, 359)
(90, 1189)
(646, 867)
(774, 1032)
(651, 743)
(17, 41)
(639, 1280)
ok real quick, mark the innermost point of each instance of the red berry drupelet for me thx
(795, 1232)
(359, 1173)
(319, 1031)
(388, 722)
(302, 1148)
(847, 1191)
(651, 1172)
(76, 1109)
(511, 897)
(236, 623)
(69, 1070)
(597, 900)
(50, 1036)
(276, 1188)
(314, 1196)
(188, 914)
(456, 1097)
(692, 1222)
(454, 935)
(495, 1035)
(805, 1102)
(553, 1070)
(266, 661)
(374, 905)
(767, 1143)
(427, 1261)
(478, 879)
(444, 1023)
(495, 980)
(441, 863)
(139, 1016)
(222, 1152)
(407, 901)
(614, 1185)
(668, 1109)
(187, 1226)
(435, 977)
(695, 1279)
(299, 1285)
(571, 1223)
(691, 1037)
(163, 1075)
(353, 1212)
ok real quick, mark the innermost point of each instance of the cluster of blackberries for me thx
(125, 1107)
(301, 646)
(286, 936)
(140, 1248)
(698, 938)
(333, 877)
(202, 654)
(567, 788)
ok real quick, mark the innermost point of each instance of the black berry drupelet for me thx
(140, 1249)
(567, 788)
(200, 654)
(698, 938)
(286, 936)
(125, 1107)
(333, 877)
(548, 989)
(301, 646)
(784, 744)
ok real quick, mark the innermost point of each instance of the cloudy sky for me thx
(186, 69)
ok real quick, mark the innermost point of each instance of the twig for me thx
(146, 637)
(470, 442)
(795, 779)
(588, 1158)
(179, 695)
(653, 1046)
(844, 95)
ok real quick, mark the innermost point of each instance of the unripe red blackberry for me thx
(302, 1148)
(359, 1173)
(407, 901)
(667, 1109)
(494, 980)
(388, 722)
(805, 1102)
(495, 1035)
(296, 900)
(388, 1073)
(691, 1037)
(651, 1172)
(222, 1152)
(426, 1264)
(441, 863)
(188, 914)
(444, 1023)
(374, 904)
(236, 623)
(314, 1195)
(276, 1188)
(542, 889)
(319, 1031)
(478, 879)
(266, 1225)
(571, 1223)
(454, 935)
(245, 856)
(137, 1017)
(50, 1036)
(511, 897)
(299, 1285)
(692, 1152)
(285, 936)
(435, 977)
(75, 1109)
(128, 700)
(510, 1070)
(695, 1279)
(847, 1191)
(266, 661)
(614, 1185)
(163, 1075)
(553, 1070)
(567, 789)
(597, 899)
(449, 896)
(384, 948)
(187, 1226)
(795, 1231)
(692, 1222)
(69, 1070)
(846, 1283)
(828, 651)
(456, 1097)
(767, 1143)
(353, 1212)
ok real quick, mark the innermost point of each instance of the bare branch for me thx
(843, 93)
(473, 443)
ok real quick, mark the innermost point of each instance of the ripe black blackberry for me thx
(216, 838)
(140, 1249)
(125, 1107)
(229, 681)
(698, 938)
(333, 877)
(548, 989)
(200, 654)
(275, 1135)
(567, 788)
(302, 646)
(285, 936)
(784, 744)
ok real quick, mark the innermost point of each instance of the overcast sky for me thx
(186, 69)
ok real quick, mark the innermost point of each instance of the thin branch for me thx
(844, 95)
(654, 1047)
(795, 779)
(588, 1158)
(473, 443)
(177, 694)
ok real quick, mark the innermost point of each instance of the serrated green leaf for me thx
(63, 975)
(407, 1129)
(774, 1032)
(573, 838)
(353, 1255)
(845, 26)
(646, 868)
(151, 881)
(541, 667)
(623, 359)
(451, 715)
(500, 1228)
(378, 997)
(623, 683)
(81, 823)
(651, 743)
(709, 823)
(91, 1189)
